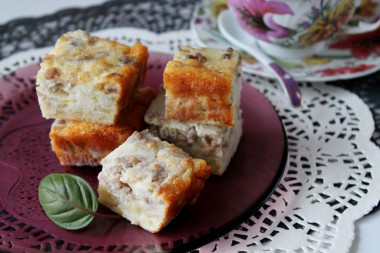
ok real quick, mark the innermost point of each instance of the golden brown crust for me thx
(215, 144)
(107, 70)
(197, 94)
(81, 143)
(149, 181)
(200, 88)
(131, 116)
(139, 52)
(185, 190)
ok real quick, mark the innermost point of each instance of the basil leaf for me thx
(68, 200)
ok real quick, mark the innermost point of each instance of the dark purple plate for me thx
(26, 157)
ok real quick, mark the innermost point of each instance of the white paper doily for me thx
(331, 178)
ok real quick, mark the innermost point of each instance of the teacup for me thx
(293, 28)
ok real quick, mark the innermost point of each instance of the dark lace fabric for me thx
(368, 89)
(157, 16)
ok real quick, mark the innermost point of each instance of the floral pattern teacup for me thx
(298, 26)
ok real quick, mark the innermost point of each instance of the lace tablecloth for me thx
(333, 166)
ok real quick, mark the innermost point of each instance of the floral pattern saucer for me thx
(345, 57)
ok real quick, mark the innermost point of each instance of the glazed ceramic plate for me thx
(343, 58)
(26, 157)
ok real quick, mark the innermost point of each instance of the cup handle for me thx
(363, 27)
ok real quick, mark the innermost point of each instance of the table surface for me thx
(367, 229)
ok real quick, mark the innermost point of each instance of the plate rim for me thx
(254, 207)
(228, 227)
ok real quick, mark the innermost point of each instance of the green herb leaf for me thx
(68, 200)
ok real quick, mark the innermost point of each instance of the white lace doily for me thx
(331, 178)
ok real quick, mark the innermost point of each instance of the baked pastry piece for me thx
(215, 144)
(203, 85)
(148, 181)
(81, 143)
(87, 78)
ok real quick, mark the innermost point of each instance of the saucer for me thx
(343, 57)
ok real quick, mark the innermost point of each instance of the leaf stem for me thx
(107, 216)
(100, 215)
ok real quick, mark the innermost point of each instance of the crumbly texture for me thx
(80, 143)
(87, 78)
(149, 181)
(203, 85)
(215, 144)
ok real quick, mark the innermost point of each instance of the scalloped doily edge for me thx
(372, 151)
